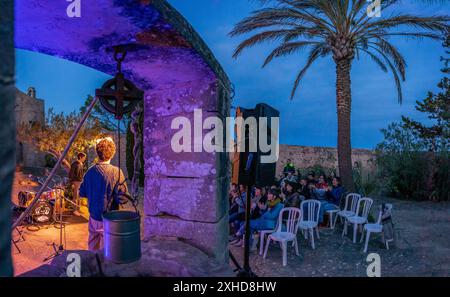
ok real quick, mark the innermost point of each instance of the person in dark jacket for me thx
(292, 197)
(103, 185)
(76, 175)
(304, 190)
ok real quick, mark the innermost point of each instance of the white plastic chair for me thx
(310, 219)
(351, 202)
(293, 215)
(332, 213)
(375, 228)
(262, 236)
(360, 218)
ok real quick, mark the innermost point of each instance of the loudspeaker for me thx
(261, 174)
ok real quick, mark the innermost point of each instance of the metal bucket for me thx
(122, 238)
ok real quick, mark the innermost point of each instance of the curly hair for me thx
(105, 150)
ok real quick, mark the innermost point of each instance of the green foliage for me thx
(402, 166)
(318, 170)
(53, 136)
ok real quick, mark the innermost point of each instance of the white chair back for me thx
(289, 217)
(351, 202)
(364, 206)
(310, 210)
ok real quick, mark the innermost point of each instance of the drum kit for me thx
(47, 209)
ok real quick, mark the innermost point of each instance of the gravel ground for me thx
(422, 248)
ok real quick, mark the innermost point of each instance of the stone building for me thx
(28, 110)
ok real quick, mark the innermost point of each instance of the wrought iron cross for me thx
(119, 95)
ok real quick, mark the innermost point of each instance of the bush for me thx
(405, 169)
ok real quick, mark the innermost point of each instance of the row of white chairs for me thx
(306, 218)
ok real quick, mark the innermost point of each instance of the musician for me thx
(102, 185)
(76, 174)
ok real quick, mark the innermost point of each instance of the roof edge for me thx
(183, 27)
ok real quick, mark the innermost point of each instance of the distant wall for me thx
(29, 109)
(308, 156)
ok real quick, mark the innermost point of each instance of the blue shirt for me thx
(98, 187)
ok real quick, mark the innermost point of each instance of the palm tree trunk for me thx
(344, 102)
(7, 132)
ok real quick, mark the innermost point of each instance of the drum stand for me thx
(59, 249)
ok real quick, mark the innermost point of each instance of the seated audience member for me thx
(292, 197)
(312, 177)
(268, 219)
(234, 207)
(255, 211)
(322, 183)
(303, 190)
(290, 177)
(334, 194)
(312, 191)
(321, 188)
(237, 218)
(233, 188)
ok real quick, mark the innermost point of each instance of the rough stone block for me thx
(211, 238)
(193, 199)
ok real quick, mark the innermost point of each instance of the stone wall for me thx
(28, 110)
(308, 156)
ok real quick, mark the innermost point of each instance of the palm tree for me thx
(344, 30)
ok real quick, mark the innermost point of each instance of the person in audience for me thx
(255, 211)
(333, 195)
(292, 197)
(312, 190)
(312, 177)
(290, 177)
(322, 183)
(304, 190)
(237, 218)
(321, 188)
(267, 221)
(234, 207)
(289, 167)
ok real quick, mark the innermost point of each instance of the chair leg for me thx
(335, 221)
(296, 246)
(362, 236)
(284, 250)
(344, 229)
(311, 233)
(355, 230)
(317, 232)
(306, 234)
(267, 246)
(261, 243)
(367, 242)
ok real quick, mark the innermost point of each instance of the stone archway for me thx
(185, 194)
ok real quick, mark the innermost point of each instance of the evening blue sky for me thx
(309, 119)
